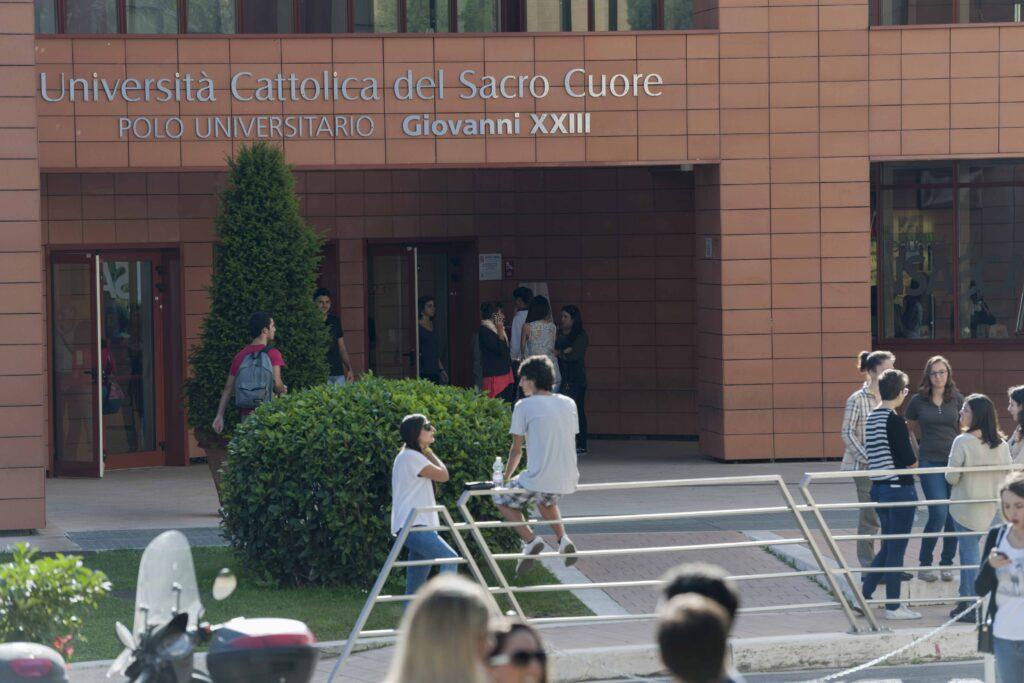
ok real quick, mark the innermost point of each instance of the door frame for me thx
(93, 468)
(169, 361)
(461, 317)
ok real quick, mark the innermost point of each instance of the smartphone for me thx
(1001, 555)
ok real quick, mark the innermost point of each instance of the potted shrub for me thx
(266, 259)
(307, 499)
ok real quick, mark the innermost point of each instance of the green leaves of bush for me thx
(44, 600)
(307, 486)
(266, 259)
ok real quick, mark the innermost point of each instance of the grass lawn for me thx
(329, 612)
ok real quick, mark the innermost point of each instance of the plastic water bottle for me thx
(498, 473)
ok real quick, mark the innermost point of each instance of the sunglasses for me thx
(520, 659)
(428, 427)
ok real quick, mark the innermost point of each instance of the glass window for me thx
(991, 261)
(478, 16)
(46, 16)
(267, 16)
(375, 16)
(211, 16)
(323, 16)
(987, 11)
(427, 16)
(625, 15)
(556, 15)
(90, 16)
(152, 16)
(678, 14)
(917, 263)
(901, 12)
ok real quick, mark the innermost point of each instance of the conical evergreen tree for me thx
(266, 259)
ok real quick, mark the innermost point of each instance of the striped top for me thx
(887, 442)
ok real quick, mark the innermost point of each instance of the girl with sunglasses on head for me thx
(413, 475)
(518, 656)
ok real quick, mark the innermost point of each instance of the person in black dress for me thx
(571, 347)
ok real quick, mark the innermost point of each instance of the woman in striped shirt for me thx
(888, 448)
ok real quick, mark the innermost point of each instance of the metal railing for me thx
(509, 591)
(832, 540)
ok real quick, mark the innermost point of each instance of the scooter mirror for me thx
(224, 585)
(125, 636)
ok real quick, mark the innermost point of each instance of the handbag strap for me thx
(992, 598)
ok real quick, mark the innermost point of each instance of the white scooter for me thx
(167, 629)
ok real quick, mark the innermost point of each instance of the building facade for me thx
(740, 197)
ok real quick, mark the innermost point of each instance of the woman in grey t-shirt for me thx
(933, 416)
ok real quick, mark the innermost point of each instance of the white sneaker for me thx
(927, 575)
(947, 574)
(902, 613)
(567, 546)
(534, 547)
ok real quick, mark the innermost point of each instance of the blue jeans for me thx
(425, 545)
(896, 520)
(970, 553)
(935, 487)
(336, 379)
(1009, 660)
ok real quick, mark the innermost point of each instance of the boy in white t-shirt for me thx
(548, 424)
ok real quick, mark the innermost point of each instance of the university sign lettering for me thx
(334, 87)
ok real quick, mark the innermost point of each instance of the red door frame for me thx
(168, 351)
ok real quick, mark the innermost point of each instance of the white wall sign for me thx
(490, 267)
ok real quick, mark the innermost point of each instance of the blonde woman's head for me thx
(445, 634)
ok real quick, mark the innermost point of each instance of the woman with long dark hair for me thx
(1016, 409)
(1002, 579)
(413, 475)
(933, 416)
(571, 347)
(539, 334)
(980, 445)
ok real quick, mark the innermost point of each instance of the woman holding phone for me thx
(1002, 580)
(495, 366)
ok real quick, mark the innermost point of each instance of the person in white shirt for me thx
(547, 423)
(523, 296)
(1002, 579)
(413, 475)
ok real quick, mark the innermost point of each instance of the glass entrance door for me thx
(400, 277)
(108, 320)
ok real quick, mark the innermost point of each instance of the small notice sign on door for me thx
(490, 267)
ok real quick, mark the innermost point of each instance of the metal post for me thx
(371, 599)
(816, 551)
(464, 549)
(485, 549)
(840, 558)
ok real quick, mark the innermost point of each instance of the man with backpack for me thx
(255, 375)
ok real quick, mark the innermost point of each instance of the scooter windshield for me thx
(167, 583)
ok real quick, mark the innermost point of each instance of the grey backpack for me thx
(254, 383)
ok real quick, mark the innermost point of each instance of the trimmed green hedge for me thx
(307, 486)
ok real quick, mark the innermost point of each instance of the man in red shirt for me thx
(261, 326)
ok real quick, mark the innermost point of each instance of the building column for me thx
(22, 409)
(784, 282)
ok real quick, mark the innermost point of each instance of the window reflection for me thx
(323, 16)
(90, 16)
(375, 16)
(152, 16)
(46, 16)
(901, 12)
(556, 15)
(211, 16)
(267, 16)
(478, 16)
(678, 14)
(625, 15)
(426, 16)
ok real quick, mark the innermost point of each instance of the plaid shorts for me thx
(522, 500)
